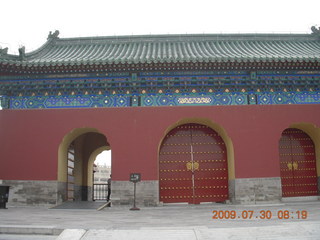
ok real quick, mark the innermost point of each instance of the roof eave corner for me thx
(315, 31)
(3, 51)
(53, 36)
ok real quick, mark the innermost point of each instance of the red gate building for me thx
(203, 118)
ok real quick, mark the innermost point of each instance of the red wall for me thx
(29, 139)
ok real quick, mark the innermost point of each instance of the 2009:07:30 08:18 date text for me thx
(262, 214)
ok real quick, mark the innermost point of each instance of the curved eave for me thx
(223, 63)
(44, 48)
(162, 61)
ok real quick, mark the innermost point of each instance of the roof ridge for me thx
(168, 48)
(167, 37)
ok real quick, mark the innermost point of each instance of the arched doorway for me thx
(193, 165)
(297, 164)
(76, 156)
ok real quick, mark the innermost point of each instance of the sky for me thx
(28, 23)
(104, 158)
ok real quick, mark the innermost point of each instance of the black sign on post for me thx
(135, 177)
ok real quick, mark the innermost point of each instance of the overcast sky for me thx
(28, 22)
(104, 158)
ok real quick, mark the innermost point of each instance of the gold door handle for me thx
(192, 166)
(196, 166)
(189, 166)
(295, 165)
(289, 166)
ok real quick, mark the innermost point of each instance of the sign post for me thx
(135, 177)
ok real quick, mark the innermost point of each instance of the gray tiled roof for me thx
(170, 49)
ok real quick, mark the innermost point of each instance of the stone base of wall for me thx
(256, 190)
(82, 193)
(231, 188)
(62, 192)
(51, 193)
(89, 193)
(147, 193)
(32, 193)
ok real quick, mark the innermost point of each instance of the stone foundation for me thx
(147, 193)
(81, 193)
(89, 192)
(256, 190)
(231, 188)
(51, 193)
(62, 192)
(32, 193)
(43, 193)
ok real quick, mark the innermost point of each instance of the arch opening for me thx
(77, 153)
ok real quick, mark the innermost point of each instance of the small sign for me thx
(135, 177)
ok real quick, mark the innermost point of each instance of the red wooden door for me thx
(211, 177)
(193, 166)
(297, 164)
(175, 179)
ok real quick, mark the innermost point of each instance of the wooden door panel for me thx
(211, 179)
(286, 166)
(193, 166)
(297, 152)
(175, 180)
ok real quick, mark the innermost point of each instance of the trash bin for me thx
(4, 195)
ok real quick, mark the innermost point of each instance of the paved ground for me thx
(26, 237)
(167, 222)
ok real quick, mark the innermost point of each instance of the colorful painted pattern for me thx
(94, 101)
(163, 89)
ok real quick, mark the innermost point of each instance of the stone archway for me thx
(78, 179)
